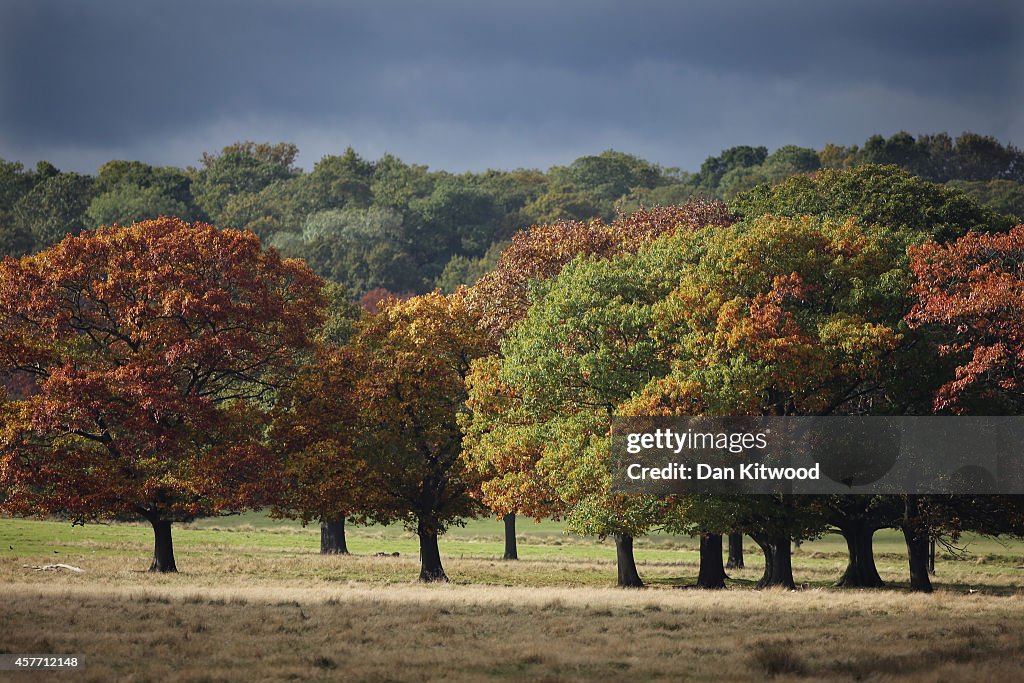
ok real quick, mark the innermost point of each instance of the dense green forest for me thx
(392, 225)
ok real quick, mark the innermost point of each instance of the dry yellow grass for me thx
(259, 606)
(248, 618)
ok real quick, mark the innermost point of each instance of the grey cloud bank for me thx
(470, 85)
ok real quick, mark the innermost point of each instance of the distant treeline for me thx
(386, 224)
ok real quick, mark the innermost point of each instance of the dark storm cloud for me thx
(473, 84)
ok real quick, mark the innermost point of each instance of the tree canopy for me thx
(156, 349)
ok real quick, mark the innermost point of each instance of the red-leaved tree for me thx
(157, 350)
(972, 292)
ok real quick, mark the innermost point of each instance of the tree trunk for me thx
(163, 548)
(931, 557)
(332, 537)
(430, 555)
(712, 571)
(628, 575)
(860, 569)
(511, 552)
(782, 565)
(735, 552)
(769, 559)
(778, 556)
(916, 535)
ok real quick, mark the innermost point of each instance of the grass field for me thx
(254, 600)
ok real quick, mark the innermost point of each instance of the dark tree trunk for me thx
(782, 565)
(628, 575)
(931, 557)
(511, 552)
(430, 555)
(916, 535)
(735, 552)
(163, 548)
(769, 559)
(860, 569)
(712, 571)
(917, 548)
(778, 557)
(332, 537)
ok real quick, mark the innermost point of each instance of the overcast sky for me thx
(472, 84)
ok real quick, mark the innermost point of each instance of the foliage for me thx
(936, 157)
(453, 219)
(502, 444)
(54, 207)
(972, 292)
(459, 219)
(342, 315)
(607, 176)
(156, 348)
(462, 270)
(541, 410)
(1003, 196)
(15, 240)
(780, 316)
(563, 205)
(15, 182)
(130, 204)
(743, 156)
(240, 168)
(277, 208)
(337, 182)
(316, 428)
(682, 189)
(882, 195)
(502, 296)
(412, 359)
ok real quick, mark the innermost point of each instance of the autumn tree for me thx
(412, 359)
(969, 299)
(315, 423)
(972, 292)
(157, 349)
(316, 427)
(543, 408)
(913, 211)
(506, 441)
(778, 316)
(502, 444)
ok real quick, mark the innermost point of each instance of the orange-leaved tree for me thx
(315, 430)
(157, 350)
(411, 360)
(972, 292)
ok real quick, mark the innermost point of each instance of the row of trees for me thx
(171, 370)
(388, 224)
(798, 302)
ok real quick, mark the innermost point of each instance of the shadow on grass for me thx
(690, 582)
